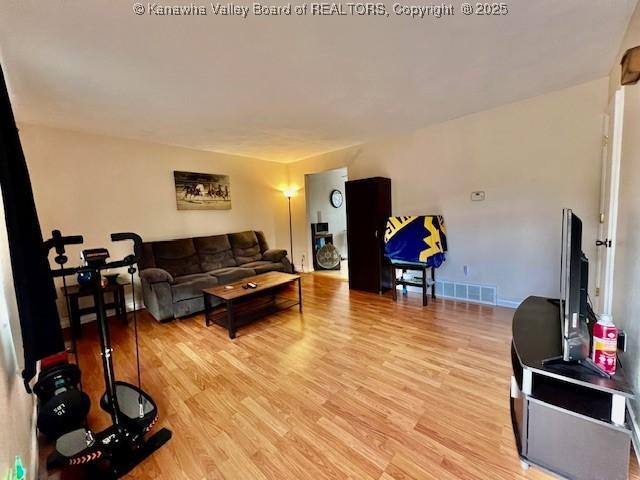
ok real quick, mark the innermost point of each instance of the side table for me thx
(424, 284)
(75, 292)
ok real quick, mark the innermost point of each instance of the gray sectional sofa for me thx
(174, 272)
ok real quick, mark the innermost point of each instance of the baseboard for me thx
(503, 302)
(635, 431)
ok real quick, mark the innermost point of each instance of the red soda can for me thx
(605, 344)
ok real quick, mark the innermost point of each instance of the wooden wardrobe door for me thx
(368, 205)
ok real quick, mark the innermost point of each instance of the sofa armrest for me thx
(155, 275)
(158, 299)
(274, 254)
(288, 268)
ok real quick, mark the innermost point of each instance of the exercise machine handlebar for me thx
(58, 242)
(129, 259)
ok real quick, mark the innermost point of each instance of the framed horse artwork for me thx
(202, 191)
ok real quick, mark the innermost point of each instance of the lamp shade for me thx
(630, 66)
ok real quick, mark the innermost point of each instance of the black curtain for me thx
(35, 291)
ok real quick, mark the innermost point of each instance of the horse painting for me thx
(218, 192)
(191, 191)
(202, 191)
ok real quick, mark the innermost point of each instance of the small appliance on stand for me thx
(325, 255)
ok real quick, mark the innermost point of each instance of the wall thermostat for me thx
(477, 196)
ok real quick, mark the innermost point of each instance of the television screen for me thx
(574, 277)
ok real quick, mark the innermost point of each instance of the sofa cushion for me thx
(192, 288)
(233, 274)
(263, 266)
(190, 278)
(147, 260)
(214, 252)
(274, 254)
(245, 247)
(178, 257)
(262, 241)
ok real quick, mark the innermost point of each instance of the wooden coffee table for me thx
(246, 305)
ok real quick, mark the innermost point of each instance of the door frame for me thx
(597, 302)
(609, 199)
(307, 259)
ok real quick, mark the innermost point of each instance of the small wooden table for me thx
(250, 303)
(76, 292)
(423, 284)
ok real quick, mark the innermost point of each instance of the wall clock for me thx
(336, 198)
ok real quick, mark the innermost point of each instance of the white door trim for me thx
(597, 301)
(615, 139)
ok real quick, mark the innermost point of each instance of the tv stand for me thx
(567, 418)
(559, 365)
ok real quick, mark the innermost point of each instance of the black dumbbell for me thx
(63, 407)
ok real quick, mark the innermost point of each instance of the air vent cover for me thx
(486, 294)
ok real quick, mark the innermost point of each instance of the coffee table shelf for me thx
(243, 306)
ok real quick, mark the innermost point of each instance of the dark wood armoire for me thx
(368, 204)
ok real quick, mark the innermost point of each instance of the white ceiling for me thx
(284, 88)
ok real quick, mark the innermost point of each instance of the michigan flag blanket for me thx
(417, 239)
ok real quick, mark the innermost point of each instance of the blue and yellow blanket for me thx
(417, 239)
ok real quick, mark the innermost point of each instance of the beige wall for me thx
(532, 158)
(95, 185)
(17, 432)
(626, 287)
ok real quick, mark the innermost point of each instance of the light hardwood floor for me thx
(342, 274)
(356, 387)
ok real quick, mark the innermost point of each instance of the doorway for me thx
(327, 223)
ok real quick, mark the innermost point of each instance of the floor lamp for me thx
(289, 194)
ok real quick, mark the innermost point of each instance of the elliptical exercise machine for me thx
(116, 450)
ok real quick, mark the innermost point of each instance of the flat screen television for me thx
(574, 280)
(573, 303)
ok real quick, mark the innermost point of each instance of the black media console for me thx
(566, 420)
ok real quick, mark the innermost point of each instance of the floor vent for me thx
(466, 291)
